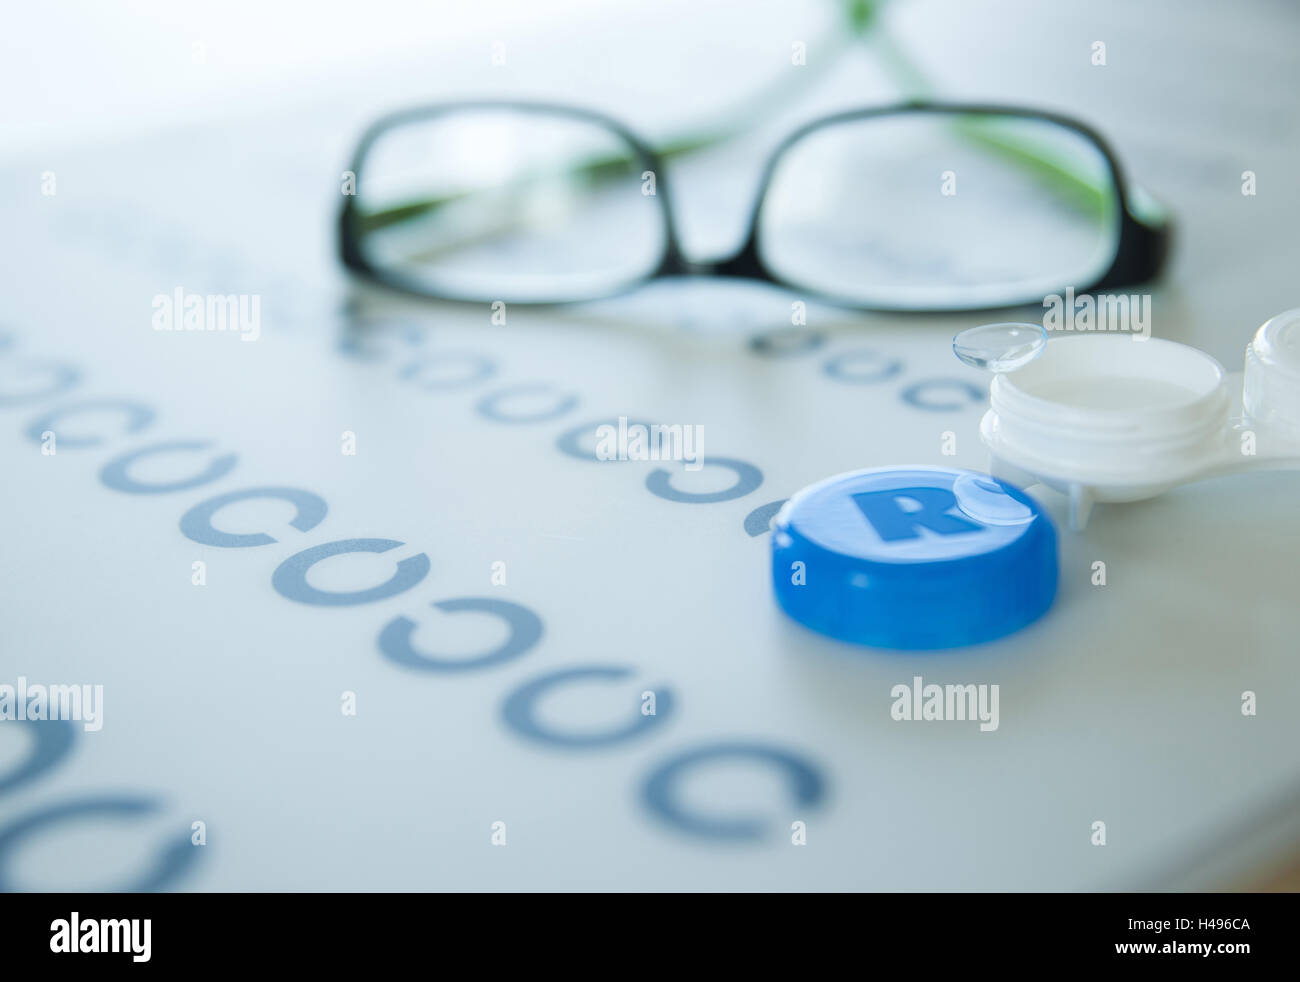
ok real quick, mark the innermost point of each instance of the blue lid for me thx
(913, 557)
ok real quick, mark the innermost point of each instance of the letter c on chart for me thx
(489, 406)
(525, 631)
(918, 394)
(807, 787)
(520, 712)
(116, 473)
(53, 739)
(196, 524)
(170, 864)
(290, 577)
(748, 477)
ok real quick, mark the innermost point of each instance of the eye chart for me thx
(553, 671)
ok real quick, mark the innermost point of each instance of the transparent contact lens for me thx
(1000, 347)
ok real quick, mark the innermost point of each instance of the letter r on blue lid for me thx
(914, 558)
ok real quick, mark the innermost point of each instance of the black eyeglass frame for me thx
(1141, 250)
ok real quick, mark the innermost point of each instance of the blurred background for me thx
(1189, 96)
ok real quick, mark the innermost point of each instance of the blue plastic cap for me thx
(914, 557)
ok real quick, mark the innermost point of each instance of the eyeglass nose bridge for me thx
(744, 264)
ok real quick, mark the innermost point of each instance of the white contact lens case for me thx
(1115, 417)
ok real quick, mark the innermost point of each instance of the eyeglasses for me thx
(916, 207)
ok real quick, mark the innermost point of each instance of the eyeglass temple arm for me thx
(1146, 240)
